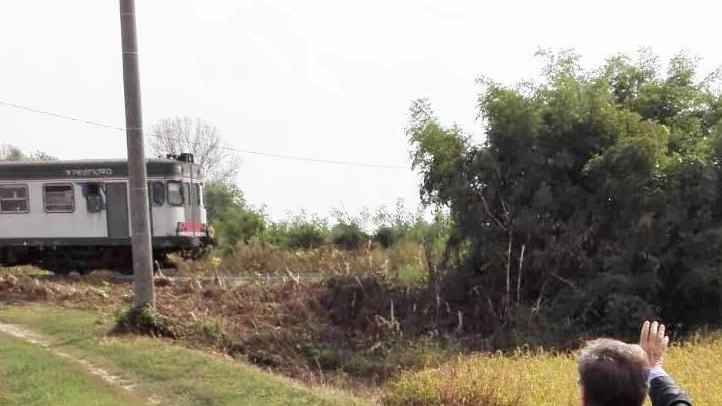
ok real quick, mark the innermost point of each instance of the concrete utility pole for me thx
(139, 207)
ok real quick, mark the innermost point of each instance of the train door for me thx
(151, 190)
(192, 206)
(116, 195)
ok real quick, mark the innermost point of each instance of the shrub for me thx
(210, 330)
(348, 236)
(305, 236)
(386, 236)
(143, 320)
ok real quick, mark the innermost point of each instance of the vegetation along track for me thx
(34, 338)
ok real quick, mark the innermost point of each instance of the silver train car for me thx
(68, 216)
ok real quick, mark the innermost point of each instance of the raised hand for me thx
(654, 342)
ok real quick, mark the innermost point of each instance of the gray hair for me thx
(613, 373)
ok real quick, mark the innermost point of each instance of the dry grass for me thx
(88, 290)
(541, 379)
(404, 261)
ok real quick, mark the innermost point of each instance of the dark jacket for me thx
(664, 392)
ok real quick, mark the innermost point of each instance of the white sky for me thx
(317, 78)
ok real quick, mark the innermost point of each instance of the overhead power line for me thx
(56, 115)
(316, 160)
(237, 150)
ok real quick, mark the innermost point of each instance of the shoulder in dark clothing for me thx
(664, 392)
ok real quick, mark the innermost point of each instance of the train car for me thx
(74, 215)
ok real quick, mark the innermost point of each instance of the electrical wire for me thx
(56, 115)
(236, 150)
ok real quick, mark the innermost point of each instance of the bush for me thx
(305, 236)
(230, 216)
(210, 330)
(348, 236)
(386, 236)
(300, 232)
(237, 224)
(143, 320)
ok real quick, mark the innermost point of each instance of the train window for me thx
(158, 193)
(199, 193)
(94, 198)
(59, 198)
(13, 199)
(187, 194)
(175, 193)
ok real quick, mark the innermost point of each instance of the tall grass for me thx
(404, 261)
(542, 379)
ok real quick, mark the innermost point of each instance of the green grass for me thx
(177, 376)
(31, 376)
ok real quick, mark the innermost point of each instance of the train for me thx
(65, 216)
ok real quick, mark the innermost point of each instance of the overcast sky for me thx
(329, 79)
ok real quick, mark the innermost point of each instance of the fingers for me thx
(653, 330)
(644, 335)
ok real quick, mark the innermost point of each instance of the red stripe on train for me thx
(191, 227)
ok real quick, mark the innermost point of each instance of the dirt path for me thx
(34, 338)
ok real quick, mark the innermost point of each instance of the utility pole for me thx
(143, 289)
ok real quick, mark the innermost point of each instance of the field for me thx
(169, 374)
(32, 377)
(541, 379)
(285, 329)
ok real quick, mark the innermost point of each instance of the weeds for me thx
(490, 381)
(210, 330)
(403, 263)
(539, 378)
(143, 320)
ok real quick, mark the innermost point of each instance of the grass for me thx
(542, 379)
(177, 376)
(186, 378)
(23, 270)
(404, 260)
(31, 376)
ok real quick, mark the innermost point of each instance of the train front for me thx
(178, 212)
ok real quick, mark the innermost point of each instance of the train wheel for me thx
(57, 262)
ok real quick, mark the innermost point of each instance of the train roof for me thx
(93, 168)
(83, 161)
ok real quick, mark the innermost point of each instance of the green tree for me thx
(301, 231)
(595, 194)
(228, 213)
(9, 153)
(348, 235)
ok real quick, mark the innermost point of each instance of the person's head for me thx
(613, 373)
